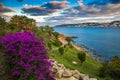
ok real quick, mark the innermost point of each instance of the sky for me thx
(57, 12)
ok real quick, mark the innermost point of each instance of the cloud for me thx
(82, 10)
(37, 10)
(87, 13)
(7, 17)
(55, 5)
(56, 13)
(45, 9)
(5, 9)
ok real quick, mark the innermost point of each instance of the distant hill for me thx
(93, 24)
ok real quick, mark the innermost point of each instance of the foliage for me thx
(91, 66)
(69, 39)
(61, 50)
(23, 22)
(2, 26)
(111, 69)
(56, 34)
(25, 57)
(82, 56)
(57, 43)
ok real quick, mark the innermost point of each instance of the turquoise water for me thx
(102, 41)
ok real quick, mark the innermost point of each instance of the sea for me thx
(101, 43)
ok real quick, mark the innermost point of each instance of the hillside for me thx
(64, 54)
(91, 24)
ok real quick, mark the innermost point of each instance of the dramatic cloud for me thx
(56, 12)
(5, 9)
(55, 5)
(87, 13)
(93, 10)
(37, 10)
(45, 9)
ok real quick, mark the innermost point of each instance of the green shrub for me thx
(57, 43)
(61, 50)
(82, 57)
(2, 26)
(111, 69)
(56, 34)
(69, 39)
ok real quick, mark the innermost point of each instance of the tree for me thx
(2, 26)
(69, 39)
(56, 34)
(57, 43)
(82, 56)
(23, 22)
(111, 69)
(61, 50)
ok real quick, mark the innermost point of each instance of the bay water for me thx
(101, 41)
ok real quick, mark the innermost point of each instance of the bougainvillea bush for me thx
(26, 57)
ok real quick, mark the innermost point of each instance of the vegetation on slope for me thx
(50, 38)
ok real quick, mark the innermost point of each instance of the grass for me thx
(90, 66)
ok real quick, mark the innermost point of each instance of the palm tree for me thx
(23, 22)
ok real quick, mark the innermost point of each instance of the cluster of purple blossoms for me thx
(26, 57)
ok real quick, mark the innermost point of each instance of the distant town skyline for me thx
(56, 12)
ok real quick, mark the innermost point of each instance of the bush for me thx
(61, 50)
(69, 39)
(2, 26)
(57, 43)
(111, 69)
(82, 56)
(26, 57)
(56, 34)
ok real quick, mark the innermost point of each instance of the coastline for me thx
(63, 40)
(88, 51)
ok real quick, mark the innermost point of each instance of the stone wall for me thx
(62, 73)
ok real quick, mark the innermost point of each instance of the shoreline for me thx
(63, 40)
(88, 51)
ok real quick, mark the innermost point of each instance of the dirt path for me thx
(77, 47)
(64, 42)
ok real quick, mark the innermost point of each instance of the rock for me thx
(54, 71)
(93, 79)
(71, 78)
(77, 76)
(75, 72)
(59, 74)
(74, 62)
(67, 73)
(61, 66)
(86, 78)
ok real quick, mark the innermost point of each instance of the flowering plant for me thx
(26, 57)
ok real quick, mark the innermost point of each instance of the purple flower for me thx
(16, 72)
(26, 55)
